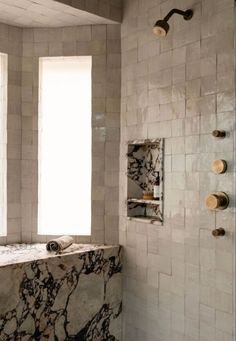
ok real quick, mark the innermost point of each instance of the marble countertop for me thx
(21, 253)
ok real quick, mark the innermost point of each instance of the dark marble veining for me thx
(145, 165)
(20, 253)
(73, 296)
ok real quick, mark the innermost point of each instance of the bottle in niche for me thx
(156, 188)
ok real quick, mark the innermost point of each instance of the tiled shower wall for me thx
(179, 279)
(111, 9)
(24, 48)
(11, 44)
(103, 43)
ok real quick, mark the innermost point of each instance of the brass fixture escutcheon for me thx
(218, 232)
(217, 201)
(219, 166)
(219, 133)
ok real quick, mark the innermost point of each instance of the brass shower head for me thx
(162, 27)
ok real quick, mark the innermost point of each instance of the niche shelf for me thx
(145, 163)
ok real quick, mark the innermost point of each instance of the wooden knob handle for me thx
(218, 232)
(219, 166)
(218, 200)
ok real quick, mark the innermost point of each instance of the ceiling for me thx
(45, 13)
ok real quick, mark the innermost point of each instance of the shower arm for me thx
(186, 14)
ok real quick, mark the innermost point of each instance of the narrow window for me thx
(64, 189)
(3, 143)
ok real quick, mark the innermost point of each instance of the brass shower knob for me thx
(219, 166)
(218, 232)
(219, 133)
(217, 201)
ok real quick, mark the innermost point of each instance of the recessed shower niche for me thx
(145, 181)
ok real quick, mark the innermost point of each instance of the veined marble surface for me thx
(68, 297)
(145, 164)
(21, 253)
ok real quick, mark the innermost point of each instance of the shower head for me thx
(162, 27)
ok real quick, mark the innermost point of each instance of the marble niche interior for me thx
(145, 166)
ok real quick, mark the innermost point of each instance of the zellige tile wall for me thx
(24, 47)
(110, 9)
(103, 43)
(179, 280)
(59, 13)
(11, 44)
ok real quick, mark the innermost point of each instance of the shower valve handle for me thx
(217, 201)
(219, 133)
(218, 232)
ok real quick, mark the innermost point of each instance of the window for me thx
(64, 205)
(3, 144)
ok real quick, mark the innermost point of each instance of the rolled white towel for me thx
(59, 244)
